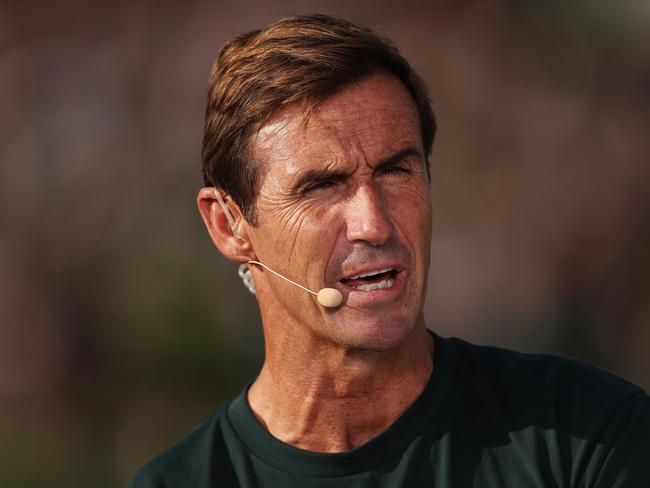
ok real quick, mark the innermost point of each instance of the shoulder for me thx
(591, 423)
(548, 388)
(186, 461)
(505, 368)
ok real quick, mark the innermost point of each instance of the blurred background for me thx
(121, 326)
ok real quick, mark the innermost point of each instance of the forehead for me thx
(365, 121)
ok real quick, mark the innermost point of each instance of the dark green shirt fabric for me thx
(488, 417)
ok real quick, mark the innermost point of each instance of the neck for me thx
(322, 397)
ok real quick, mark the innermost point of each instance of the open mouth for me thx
(372, 280)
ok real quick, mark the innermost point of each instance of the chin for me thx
(376, 334)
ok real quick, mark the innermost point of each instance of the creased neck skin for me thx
(317, 396)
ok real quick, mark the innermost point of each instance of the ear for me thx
(233, 245)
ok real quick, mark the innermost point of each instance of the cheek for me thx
(295, 233)
(409, 203)
(318, 232)
(411, 214)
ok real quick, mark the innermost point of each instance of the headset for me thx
(327, 297)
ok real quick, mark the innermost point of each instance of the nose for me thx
(367, 218)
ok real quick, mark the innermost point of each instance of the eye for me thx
(396, 169)
(320, 185)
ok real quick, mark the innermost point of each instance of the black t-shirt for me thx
(488, 417)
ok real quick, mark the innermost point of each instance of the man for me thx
(315, 157)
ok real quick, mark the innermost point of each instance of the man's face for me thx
(344, 197)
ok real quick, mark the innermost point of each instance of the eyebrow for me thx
(318, 175)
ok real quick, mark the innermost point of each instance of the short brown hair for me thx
(297, 59)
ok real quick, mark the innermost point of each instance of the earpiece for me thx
(231, 221)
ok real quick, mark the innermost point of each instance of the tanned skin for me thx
(347, 193)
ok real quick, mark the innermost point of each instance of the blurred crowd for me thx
(120, 324)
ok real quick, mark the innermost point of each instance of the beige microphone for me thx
(327, 297)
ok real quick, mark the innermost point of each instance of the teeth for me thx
(370, 273)
(376, 286)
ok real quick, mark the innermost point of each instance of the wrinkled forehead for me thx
(364, 121)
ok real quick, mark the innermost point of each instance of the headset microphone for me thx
(327, 297)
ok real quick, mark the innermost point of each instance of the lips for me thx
(370, 273)
(375, 279)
